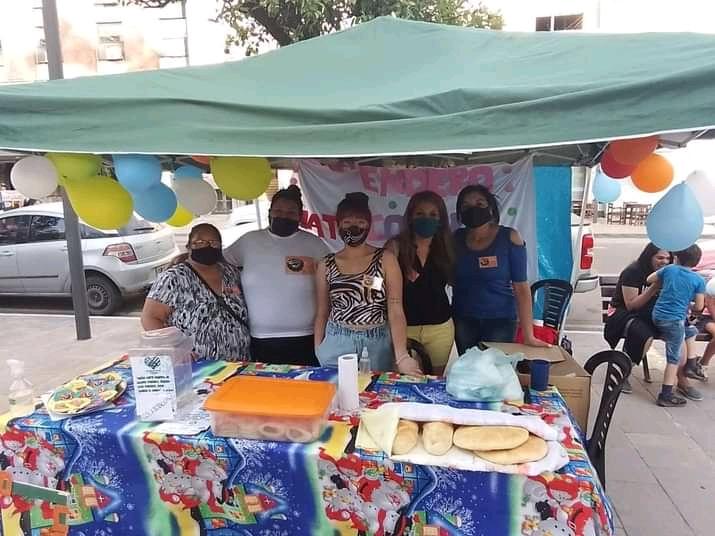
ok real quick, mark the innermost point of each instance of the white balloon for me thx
(195, 195)
(34, 177)
(704, 189)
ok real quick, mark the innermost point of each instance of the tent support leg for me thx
(72, 235)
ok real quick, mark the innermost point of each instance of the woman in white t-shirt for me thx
(278, 266)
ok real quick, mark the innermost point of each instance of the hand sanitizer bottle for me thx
(364, 362)
(21, 394)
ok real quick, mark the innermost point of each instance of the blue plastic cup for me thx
(539, 374)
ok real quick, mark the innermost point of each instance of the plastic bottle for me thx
(21, 395)
(364, 362)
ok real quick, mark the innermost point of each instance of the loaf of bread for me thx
(437, 437)
(533, 450)
(485, 438)
(406, 438)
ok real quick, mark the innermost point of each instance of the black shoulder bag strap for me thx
(219, 299)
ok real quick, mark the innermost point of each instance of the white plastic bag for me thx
(485, 376)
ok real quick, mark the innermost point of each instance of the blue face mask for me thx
(425, 227)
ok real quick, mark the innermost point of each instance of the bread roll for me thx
(437, 437)
(406, 438)
(533, 450)
(490, 437)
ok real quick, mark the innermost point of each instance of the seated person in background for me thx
(705, 324)
(679, 286)
(201, 295)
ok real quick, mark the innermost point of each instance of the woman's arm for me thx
(634, 300)
(396, 315)
(322, 302)
(154, 314)
(522, 290)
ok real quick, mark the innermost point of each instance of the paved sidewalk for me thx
(660, 462)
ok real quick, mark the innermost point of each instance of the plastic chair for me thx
(419, 352)
(557, 296)
(619, 367)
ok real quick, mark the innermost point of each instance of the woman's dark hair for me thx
(292, 193)
(192, 233)
(492, 202)
(441, 247)
(645, 259)
(355, 204)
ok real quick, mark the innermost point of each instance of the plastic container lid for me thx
(253, 395)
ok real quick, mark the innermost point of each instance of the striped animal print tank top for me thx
(357, 300)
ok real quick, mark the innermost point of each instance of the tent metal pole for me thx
(72, 234)
(257, 201)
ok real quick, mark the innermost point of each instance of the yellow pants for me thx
(437, 340)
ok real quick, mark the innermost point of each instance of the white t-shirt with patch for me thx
(278, 280)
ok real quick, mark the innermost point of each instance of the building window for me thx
(559, 23)
(110, 46)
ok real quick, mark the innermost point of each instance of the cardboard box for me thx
(574, 384)
(554, 354)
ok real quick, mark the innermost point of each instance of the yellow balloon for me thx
(181, 217)
(75, 166)
(241, 177)
(100, 201)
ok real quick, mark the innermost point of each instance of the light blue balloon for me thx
(605, 189)
(188, 172)
(676, 221)
(156, 204)
(137, 172)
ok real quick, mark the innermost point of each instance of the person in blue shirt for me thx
(679, 286)
(491, 290)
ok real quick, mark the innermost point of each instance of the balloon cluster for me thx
(105, 203)
(632, 158)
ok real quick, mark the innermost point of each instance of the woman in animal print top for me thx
(359, 297)
(201, 295)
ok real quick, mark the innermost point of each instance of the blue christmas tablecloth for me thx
(124, 478)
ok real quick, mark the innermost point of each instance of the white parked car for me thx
(585, 278)
(33, 256)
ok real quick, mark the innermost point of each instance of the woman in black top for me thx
(426, 256)
(629, 315)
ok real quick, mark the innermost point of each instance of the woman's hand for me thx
(538, 343)
(408, 365)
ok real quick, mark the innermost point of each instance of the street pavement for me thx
(660, 462)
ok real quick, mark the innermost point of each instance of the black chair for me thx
(619, 367)
(557, 296)
(419, 352)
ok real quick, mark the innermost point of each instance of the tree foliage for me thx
(258, 22)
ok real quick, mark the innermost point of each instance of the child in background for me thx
(706, 323)
(679, 286)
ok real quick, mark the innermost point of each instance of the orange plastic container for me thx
(272, 409)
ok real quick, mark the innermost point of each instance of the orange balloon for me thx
(201, 159)
(653, 174)
(631, 152)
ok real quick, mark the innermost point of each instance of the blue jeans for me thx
(340, 340)
(674, 333)
(470, 331)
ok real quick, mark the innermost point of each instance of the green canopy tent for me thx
(386, 87)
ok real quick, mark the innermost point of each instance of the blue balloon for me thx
(156, 204)
(676, 221)
(137, 172)
(605, 189)
(188, 172)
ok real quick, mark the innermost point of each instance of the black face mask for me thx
(283, 226)
(475, 216)
(206, 255)
(353, 236)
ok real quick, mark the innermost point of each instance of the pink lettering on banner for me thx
(416, 180)
(439, 181)
(377, 232)
(370, 176)
(313, 223)
(482, 175)
(332, 225)
(393, 181)
(458, 180)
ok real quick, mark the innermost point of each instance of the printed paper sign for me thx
(154, 387)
